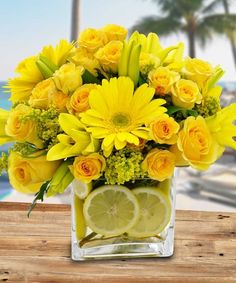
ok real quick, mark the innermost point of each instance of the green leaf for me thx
(39, 196)
(88, 78)
(173, 109)
(43, 68)
(192, 112)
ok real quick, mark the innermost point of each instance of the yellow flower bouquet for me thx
(114, 117)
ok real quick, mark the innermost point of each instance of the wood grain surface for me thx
(38, 250)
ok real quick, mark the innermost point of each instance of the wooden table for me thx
(38, 250)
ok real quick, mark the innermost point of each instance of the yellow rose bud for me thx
(20, 129)
(159, 164)
(185, 93)
(115, 32)
(197, 145)
(4, 114)
(79, 101)
(68, 78)
(198, 70)
(164, 129)
(92, 39)
(86, 59)
(88, 168)
(162, 80)
(109, 56)
(28, 174)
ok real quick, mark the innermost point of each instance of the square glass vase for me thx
(97, 233)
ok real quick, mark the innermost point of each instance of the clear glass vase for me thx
(88, 244)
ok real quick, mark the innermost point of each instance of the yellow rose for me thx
(45, 94)
(28, 174)
(197, 144)
(115, 32)
(185, 93)
(41, 93)
(198, 70)
(20, 129)
(109, 56)
(59, 101)
(92, 39)
(162, 80)
(159, 164)
(164, 130)
(79, 101)
(68, 78)
(86, 59)
(88, 168)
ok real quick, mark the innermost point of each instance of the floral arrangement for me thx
(111, 108)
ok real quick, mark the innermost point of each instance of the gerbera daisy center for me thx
(121, 120)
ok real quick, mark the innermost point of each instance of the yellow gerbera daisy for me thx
(118, 115)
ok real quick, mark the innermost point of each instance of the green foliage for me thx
(39, 196)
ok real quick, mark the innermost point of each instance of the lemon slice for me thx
(81, 189)
(111, 210)
(80, 225)
(155, 212)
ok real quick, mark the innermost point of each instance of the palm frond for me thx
(161, 26)
(220, 23)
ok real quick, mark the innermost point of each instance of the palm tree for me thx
(75, 20)
(230, 33)
(197, 19)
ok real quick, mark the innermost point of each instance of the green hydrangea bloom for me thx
(124, 166)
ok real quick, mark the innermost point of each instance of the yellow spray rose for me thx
(198, 70)
(92, 39)
(115, 32)
(79, 101)
(109, 56)
(197, 144)
(162, 80)
(68, 78)
(159, 164)
(88, 168)
(28, 174)
(185, 93)
(164, 130)
(20, 129)
(86, 59)
(45, 94)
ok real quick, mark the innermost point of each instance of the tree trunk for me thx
(75, 20)
(230, 33)
(191, 43)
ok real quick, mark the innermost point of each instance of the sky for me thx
(27, 25)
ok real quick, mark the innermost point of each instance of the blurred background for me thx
(207, 27)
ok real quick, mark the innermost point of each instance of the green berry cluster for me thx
(210, 106)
